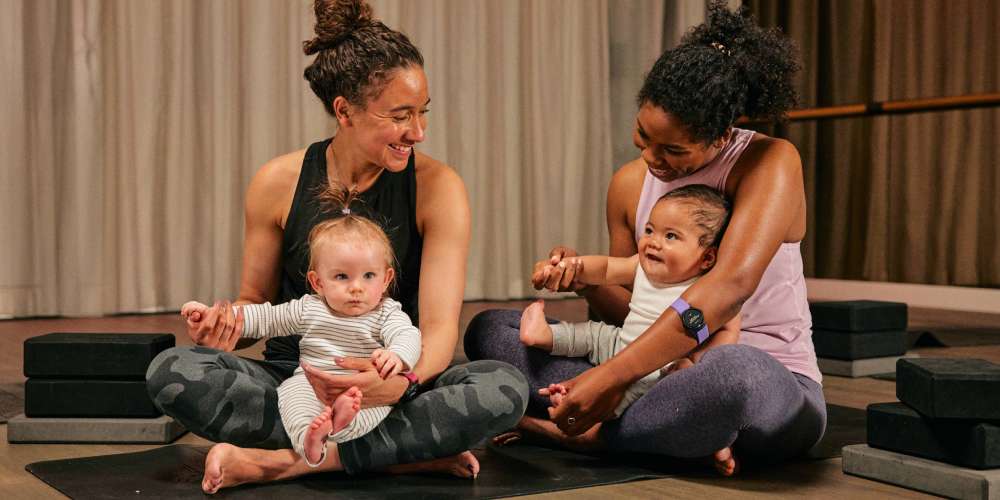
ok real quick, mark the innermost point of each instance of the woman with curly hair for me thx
(761, 397)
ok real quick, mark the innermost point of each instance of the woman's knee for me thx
(177, 370)
(500, 389)
(486, 329)
(161, 370)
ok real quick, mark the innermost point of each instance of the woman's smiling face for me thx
(394, 121)
(667, 148)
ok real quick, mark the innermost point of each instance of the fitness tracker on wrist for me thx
(413, 389)
(692, 320)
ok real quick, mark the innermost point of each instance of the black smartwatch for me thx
(692, 320)
(413, 389)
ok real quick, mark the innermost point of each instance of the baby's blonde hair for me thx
(347, 226)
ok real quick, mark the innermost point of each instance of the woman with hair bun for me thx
(761, 397)
(369, 78)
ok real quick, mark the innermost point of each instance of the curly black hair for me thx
(356, 53)
(727, 67)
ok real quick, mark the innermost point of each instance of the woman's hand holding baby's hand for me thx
(217, 327)
(555, 392)
(193, 311)
(387, 363)
(558, 272)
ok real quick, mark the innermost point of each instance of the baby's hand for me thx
(193, 311)
(387, 363)
(555, 392)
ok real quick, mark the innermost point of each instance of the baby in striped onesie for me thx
(350, 269)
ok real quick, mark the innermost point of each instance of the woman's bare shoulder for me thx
(630, 176)
(435, 176)
(441, 193)
(765, 144)
(280, 171)
(626, 185)
(273, 186)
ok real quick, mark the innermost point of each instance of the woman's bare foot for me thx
(224, 468)
(725, 462)
(329, 422)
(535, 331)
(464, 464)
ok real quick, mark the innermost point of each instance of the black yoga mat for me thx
(176, 471)
(521, 469)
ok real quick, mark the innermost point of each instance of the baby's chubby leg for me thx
(535, 331)
(329, 422)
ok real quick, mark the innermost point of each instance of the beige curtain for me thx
(906, 198)
(131, 129)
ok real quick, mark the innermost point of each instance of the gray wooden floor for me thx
(822, 479)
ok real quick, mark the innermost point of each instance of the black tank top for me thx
(391, 202)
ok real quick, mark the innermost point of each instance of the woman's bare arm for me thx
(444, 216)
(268, 199)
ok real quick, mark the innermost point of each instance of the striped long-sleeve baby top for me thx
(326, 335)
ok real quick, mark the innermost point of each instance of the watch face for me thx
(693, 320)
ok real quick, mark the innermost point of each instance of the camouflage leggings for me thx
(225, 398)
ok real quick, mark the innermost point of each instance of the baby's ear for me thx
(708, 258)
(314, 282)
(390, 274)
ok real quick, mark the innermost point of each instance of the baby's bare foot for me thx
(725, 462)
(345, 407)
(535, 331)
(316, 434)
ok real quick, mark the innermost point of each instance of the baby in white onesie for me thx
(350, 269)
(679, 243)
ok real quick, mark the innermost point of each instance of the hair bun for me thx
(335, 21)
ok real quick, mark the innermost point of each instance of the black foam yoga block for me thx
(968, 443)
(950, 388)
(93, 355)
(851, 345)
(858, 315)
(87, 398)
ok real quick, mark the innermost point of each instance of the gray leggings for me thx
(225, 398)
(736, 395)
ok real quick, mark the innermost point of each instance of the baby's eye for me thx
(369, 275)
(648, 231)
(340, 276)
(671, 236)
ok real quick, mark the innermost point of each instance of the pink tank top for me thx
(776, 319)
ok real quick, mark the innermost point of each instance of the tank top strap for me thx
(714, 174)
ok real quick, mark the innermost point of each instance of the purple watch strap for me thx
(680, 305)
